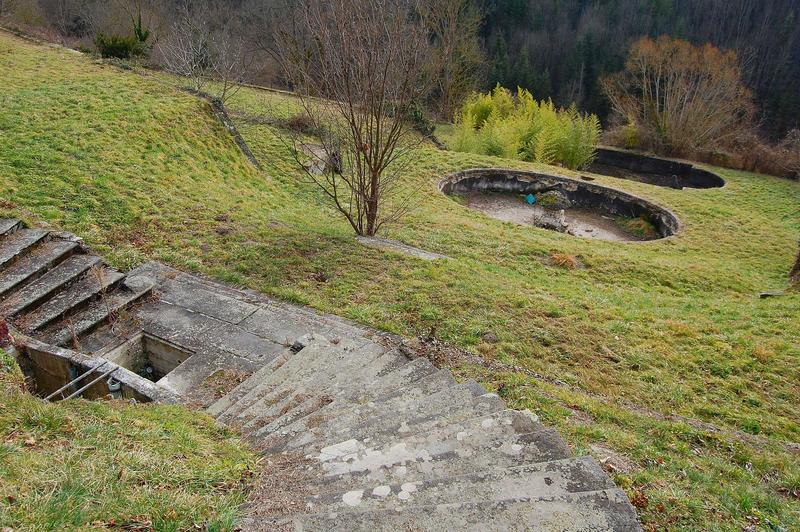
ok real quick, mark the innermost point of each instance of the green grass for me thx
(98, 465)
(635, 349)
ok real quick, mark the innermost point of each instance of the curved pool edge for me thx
(506, 180)
(690, 174)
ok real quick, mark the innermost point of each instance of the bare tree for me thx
(185, 50)
(681, 98)
(358, 67)
(6, 6)
(203, 52)
(453, 26)
(794, 274)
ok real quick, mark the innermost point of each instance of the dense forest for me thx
(561, 48)
(557, 49)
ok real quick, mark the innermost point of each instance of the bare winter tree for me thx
(453, 26)
(5, 7)
(203, 52)
(794, 274)
(358, 67)
(681, 97)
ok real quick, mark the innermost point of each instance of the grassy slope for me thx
(642, 331)
(104, 465)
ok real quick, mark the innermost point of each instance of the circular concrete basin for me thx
(561, 204)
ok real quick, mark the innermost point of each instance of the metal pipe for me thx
(98, 379)
(75, 380)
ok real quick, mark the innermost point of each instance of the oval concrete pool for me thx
(652, 170)
(561, 204)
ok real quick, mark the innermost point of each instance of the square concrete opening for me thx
(148, 356)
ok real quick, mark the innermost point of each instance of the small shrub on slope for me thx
(118, 46)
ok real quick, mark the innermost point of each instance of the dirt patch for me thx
(284, 485)
(215, 386)
(577, 221)
(612, 461)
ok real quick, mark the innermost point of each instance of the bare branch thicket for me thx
(457, 56)
(122, 17)
(681, 98)
(794, 274)
(202, 46)
(358, 67)
(61, 14)
(6, 7)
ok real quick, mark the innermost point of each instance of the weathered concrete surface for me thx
(52, 281)
(605, 200)
(18, 242)
(587, 511)
(398, 247)
(34, 264)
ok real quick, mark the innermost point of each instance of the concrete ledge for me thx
(54, 361)
(399, 247)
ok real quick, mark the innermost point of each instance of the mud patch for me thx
(576, 221)
(612, 461)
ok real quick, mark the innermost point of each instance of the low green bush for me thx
(118, 46)
(520, 127)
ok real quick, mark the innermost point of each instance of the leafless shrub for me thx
(457, 57)
(203, 47)
(794, 275)
(680, 98)
(358, 67)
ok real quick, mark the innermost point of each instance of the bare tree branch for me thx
(358, 67)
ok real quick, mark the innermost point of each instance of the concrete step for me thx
(96, 283)
(423, 379)
(424, 461)
(51, 282)
(298, 407)
(545, 479)
(19, 242)
(422, 419)
(299, 369)
(9, 225)
(431, 388)
(65, 334)
(464, 400)
(31, 266)
(571, 512)
(287, 400)
(497, 424)
(247, 385)
(309, 404)
(382, 378)
(313, 350)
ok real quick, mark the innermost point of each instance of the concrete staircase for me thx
(53, 290)
(376, 441)
(355, 434)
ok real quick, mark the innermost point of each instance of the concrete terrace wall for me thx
(49, 366)
(587, 195)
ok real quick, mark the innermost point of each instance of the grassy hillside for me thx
(659, 353)
(97, 465)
